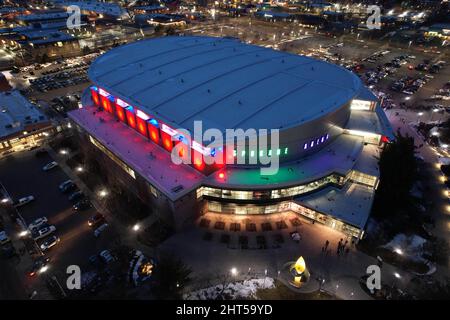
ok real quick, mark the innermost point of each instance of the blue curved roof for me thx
(223, 82)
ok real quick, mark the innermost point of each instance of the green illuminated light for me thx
(285, 150)
(270, 152)
(278, 152)
(261, 153)
(252, 153)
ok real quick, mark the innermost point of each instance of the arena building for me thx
(146, 95)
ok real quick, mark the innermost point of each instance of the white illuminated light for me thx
(103, 92)
(121, 103)
(142, 115)
(198, 147)
(168, 130)
(136, 227)
(23, 233)
(43, 269)
(398, 251)
(233, 271)
(397, 275)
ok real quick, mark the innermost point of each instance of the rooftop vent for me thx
(177, 188)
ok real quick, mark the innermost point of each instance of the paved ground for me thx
(210, 259)
(22, 175)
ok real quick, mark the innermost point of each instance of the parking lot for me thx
(22, 175)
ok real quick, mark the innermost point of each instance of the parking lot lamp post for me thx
(435, 110)
(419, 114)
(397, 276)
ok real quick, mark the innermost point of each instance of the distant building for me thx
(439, 30)
(155, 19)
(22, 125)
(149, 9)
(49, 43)
(47, 17)
(93, 7)
(43, 34)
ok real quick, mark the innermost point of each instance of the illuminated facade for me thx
(22, 125)
(145, 97)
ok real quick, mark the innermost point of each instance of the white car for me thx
(50, 165)
(43, 232)
(37, 223)
(100, 229)
(24, 201)
(50, 242)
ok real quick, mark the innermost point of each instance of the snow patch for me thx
(234, 290)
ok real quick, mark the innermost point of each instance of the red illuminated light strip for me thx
(138, 120)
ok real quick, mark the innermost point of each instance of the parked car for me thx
(43, 232)
(40, 153)
(39, 266)
(49, 243)
(67, 186)
(83, 204)
(96, 219)
(77, 195)
(37, 223)
(23, 201)
(107, 257)
(100, 229)
(50, 166)
(4, 239)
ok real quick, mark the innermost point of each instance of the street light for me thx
(398, 251)
(398, 276)
(79, 169)
(5, 200)
(43, 269)
(103, 193)
(233, 271)
(136, 227)
(23, 233)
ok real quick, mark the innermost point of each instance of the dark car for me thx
(67, 186)
(38, 265)
(81, 205)
(40, 153)
(96, 220)
(76, 196)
